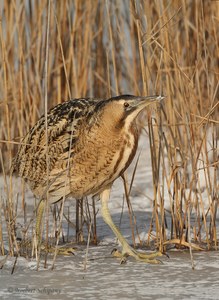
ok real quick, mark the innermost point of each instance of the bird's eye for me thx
(126, 104)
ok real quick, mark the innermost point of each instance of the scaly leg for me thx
(41, 245)
(127, 250)
(26, 245)
(39, 219)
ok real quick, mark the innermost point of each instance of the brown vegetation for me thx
(103, 48)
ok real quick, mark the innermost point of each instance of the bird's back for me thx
(65, 122)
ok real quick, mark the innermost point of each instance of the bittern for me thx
(85, 146)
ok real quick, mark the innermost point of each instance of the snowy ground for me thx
(104, 277)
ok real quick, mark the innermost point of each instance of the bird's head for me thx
(122, 110)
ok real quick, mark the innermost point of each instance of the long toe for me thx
(149, 261)
(139, 256)
(147, 258)
(142, 255)
(61, 250)
(66, 251)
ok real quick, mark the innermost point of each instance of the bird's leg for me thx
(37, 241)
(127, 250)
(39, 219)
(42, 246)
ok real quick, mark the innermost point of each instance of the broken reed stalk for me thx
(140, 48)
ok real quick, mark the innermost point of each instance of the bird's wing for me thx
(65, 122)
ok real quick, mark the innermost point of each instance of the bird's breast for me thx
(103, 159)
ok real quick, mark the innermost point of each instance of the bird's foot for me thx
(140, 256)
(29, 246)
(59, 250)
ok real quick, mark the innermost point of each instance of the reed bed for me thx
(105, 48)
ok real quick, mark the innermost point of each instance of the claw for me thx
(165, 254)
(114, 251)
(123, 261)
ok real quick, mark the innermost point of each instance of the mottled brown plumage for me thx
(90, 143)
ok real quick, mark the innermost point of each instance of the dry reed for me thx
(102, 48)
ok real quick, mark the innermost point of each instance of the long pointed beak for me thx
(150, 99)
(141, 102)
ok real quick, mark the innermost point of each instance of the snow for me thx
(105, 278)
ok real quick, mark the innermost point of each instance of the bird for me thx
(79, 148)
